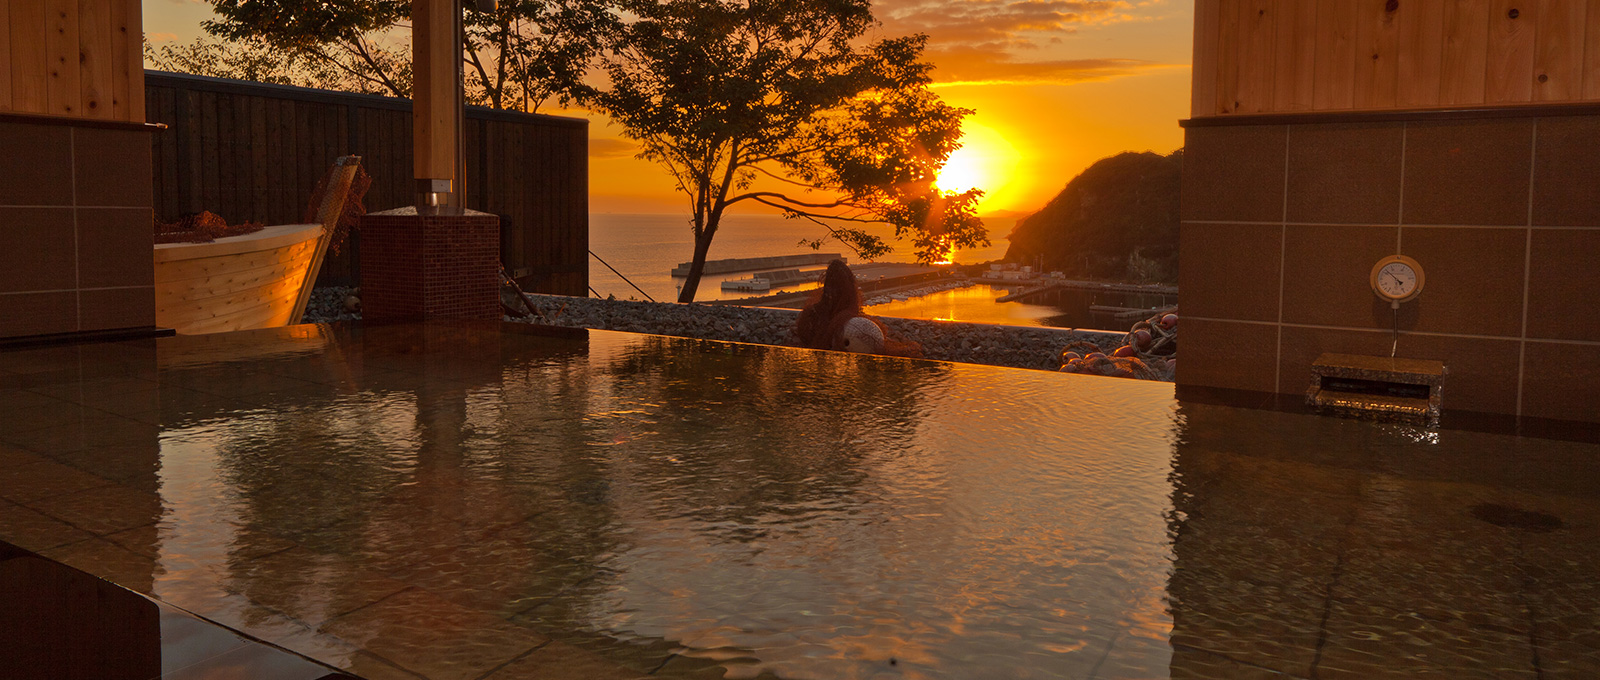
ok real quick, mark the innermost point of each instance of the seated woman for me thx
(833, 320)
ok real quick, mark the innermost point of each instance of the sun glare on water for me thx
(984, 161)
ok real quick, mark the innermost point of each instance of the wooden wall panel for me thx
(1421, 53)
(1265, 56)
(127, 72)
(1512, 25)
(1335, 82)
(1591, 52)
(1207, 29)
(63, 89)
(1257, 56)
(5, 54)
(1296, 55)
(96, 60)
(1229, 44)
(1377, 55)
(1558, 50)
(1465, 68)
(72, 58)
(30, 67)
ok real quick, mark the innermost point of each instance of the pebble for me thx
(328, 304)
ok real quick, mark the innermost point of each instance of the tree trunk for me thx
(702, 246)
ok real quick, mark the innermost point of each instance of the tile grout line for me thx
(1283, 251)
(77, 238)
(1400, 211)
(1369, 225)
(1095, 671)
(516, 658)
(663, 664)
(331, 619)
(63, 207)
(1525, 594)
(1231, 658)
(1333, 587)
(1527, 266)
(1357, 329)
(263, 641)
(69, 290)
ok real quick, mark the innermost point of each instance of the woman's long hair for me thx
(833, 305)
(838, 295)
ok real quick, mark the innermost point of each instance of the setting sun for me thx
(985, 161)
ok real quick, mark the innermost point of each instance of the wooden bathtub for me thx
(236, 283)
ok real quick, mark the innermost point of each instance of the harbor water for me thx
(645, 248)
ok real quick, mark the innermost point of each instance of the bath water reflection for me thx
(1060, 308)
(799, 513)
(449, 500)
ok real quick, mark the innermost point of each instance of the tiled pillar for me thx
(76, 227)
(425, 267)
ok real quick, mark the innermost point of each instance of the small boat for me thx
(257, 280)
(747, 285)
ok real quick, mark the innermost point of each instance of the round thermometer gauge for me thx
(1397, 278)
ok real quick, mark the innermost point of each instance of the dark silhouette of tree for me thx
(784, 103)
(1117, 220)
(518, 57)
(257, 62)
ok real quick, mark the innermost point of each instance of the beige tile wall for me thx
(75, 229)
(1282, 224)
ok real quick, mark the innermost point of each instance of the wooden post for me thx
(435, 59)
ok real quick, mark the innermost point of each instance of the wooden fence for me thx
(255, 151)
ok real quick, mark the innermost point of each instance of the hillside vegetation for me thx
(1116, 221)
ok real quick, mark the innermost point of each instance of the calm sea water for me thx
(645, 248)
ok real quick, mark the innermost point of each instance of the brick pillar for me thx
(423, 267)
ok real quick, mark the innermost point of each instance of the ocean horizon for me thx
(646, 246)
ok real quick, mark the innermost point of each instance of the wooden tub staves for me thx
(234, 283)
(258, 280)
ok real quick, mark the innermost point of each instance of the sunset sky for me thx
(1056, 85)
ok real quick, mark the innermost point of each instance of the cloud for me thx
(610, 147)
(1012, 41)
(161, 37)
(992, 66)
(994, 23)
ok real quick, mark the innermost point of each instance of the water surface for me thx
(467, 502)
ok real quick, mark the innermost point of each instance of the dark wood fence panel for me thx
(251, 151)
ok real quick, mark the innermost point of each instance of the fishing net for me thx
(1150, 352)
(350, 218)
(202, 227)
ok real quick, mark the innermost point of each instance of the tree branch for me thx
(372, 63)
(760, 195)
(807, 214)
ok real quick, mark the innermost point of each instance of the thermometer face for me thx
(1397, 280)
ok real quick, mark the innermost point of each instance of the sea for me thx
(643, 249)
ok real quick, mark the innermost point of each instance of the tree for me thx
(782, 103)
(1116, 220)
(254, 61)
(518, 57)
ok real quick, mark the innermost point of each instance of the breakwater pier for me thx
(750, 264)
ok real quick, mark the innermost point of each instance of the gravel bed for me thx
(328, 304)
(974, 343)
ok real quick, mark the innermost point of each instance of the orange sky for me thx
(1056, 84)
